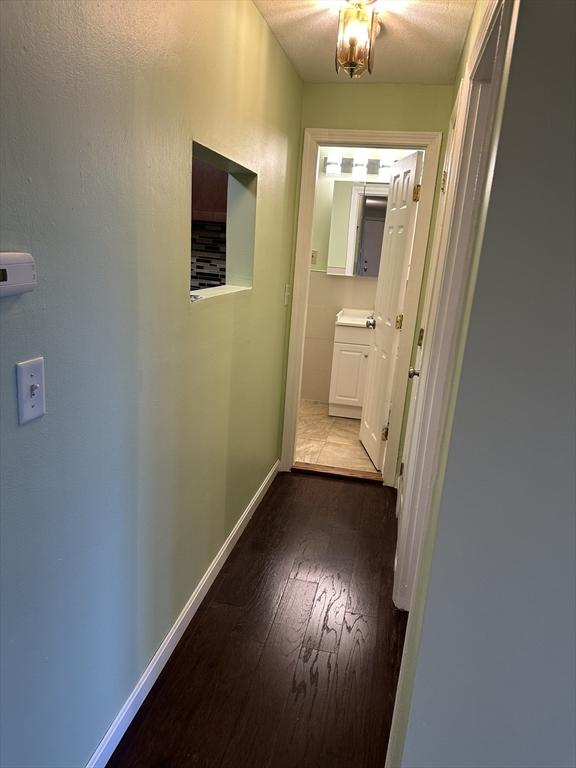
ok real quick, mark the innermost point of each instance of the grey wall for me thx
(495, 675)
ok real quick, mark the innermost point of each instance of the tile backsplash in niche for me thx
(208, 254)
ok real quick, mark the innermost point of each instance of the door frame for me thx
(314, 138)
(459, 243)
(411, 515)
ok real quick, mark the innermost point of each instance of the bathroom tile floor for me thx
(329, 440)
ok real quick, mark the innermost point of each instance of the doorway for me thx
(364, 195)
(350, 207)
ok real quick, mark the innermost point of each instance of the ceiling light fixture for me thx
(357, 28)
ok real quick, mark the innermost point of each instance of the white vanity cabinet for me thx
(349, 363)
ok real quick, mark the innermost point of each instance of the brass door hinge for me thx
(399, 321)
(385, 431)
(444, 180)
(416, 193)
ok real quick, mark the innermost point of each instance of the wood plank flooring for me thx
(292, 659)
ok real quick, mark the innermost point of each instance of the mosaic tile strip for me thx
(208, 254)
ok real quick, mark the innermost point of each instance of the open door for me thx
(409, 526)
(389, 303)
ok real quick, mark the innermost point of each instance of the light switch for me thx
(31, 390)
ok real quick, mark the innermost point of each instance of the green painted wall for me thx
(163, 417)
(377, 106)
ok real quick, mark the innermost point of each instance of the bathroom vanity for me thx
(352, 337)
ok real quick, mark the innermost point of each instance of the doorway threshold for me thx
(321, 469)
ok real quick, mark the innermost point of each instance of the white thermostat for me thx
(17, 273)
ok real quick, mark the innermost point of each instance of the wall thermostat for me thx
(17, 273)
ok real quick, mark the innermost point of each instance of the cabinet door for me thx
(348, 374)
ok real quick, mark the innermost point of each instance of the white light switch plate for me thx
(31, 389)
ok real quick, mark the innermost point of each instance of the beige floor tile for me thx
(313, 408)
(347, 456)
(344, 431)
(314, 427)
(307, 450)
(329, 440)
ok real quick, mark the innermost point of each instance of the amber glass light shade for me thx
(357, 27)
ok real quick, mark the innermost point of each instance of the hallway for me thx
(293, 657)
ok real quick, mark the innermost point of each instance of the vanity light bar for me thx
(332, 167)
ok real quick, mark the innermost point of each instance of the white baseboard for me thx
(125, 716)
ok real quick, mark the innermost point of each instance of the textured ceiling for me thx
(420, 40)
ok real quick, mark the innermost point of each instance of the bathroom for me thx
(348, 225)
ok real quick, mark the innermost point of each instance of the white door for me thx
(408, 508)
(388, 306)
(348, 378)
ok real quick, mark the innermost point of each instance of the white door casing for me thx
(394, 274)
(452, 256)
(467, 172)
(456, 250)
(314, 138)
(404, 469)
(407, 518)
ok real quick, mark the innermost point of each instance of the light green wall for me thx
(163, 417)
(377, 106)
(241, 206)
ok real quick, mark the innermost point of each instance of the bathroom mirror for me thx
(356, 228)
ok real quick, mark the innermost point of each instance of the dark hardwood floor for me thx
(292, 659)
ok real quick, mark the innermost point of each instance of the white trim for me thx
(217, 290)
(491, 11)
(408, 513)
(338, 271)
(460, 243)
(455, 244)
(313, 139)
(125, 716)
